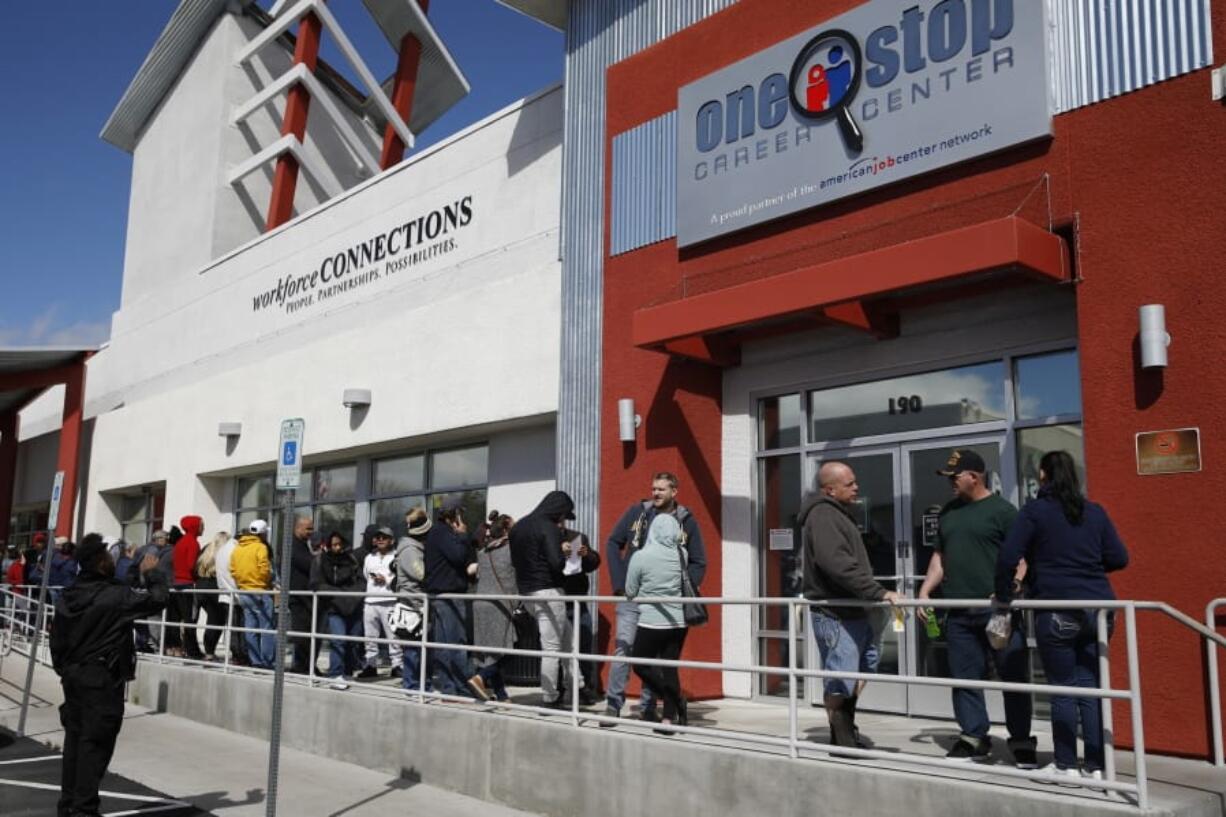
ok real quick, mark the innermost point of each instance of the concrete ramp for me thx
(546, 765)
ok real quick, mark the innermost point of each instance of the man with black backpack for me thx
(628, 536)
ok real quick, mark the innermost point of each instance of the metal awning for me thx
(26, 372)
(854, 291)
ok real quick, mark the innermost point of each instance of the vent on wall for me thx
(644, 185)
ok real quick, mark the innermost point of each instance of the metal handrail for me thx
(795, 746)
(1215, 690)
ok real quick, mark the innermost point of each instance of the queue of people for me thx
(1059, 547)
(370, 599)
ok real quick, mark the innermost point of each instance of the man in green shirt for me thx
(972, 527)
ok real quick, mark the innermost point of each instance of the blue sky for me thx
(64, 199)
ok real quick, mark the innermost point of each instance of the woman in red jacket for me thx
(183, 605)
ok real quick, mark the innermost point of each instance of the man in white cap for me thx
(251, 568)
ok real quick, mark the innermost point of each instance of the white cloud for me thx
(44, 329)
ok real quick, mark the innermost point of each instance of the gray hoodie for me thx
(410, 568)
(655, 570)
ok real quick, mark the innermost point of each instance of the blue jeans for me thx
(448, 625)
(261, 647)
(491, 676)
(345, 657)
(968, 659)
(846, 645)
(619, 673)
(1068, 645)
(411, 660)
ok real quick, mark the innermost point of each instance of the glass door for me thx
(924, 493)
(877, 515)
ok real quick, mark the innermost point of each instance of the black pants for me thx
(663, 681)
(182, 612)
(300, 620)
(215, 615)
(91, 717)
(238, 639)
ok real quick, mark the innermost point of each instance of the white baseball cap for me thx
(258, 527)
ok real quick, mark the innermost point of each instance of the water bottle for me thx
(932, 626)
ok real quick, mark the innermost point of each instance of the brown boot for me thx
(837, 711)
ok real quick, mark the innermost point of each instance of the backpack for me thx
(639, 528)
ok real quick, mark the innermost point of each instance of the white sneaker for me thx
(338, 685)
(1095, 775)
(1062, 777)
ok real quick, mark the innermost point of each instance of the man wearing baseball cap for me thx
(972, 527)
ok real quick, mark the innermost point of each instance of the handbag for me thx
(404, 621)
(523, 621)
(695, 613)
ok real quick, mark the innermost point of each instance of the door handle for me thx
(904, 549)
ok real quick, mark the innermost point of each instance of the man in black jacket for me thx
(450, 562)
(536, 552)
(837, 567)
(300, 606)
(93, 651)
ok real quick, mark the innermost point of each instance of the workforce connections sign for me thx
(885, 92)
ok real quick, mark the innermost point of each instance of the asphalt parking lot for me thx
(30, 785)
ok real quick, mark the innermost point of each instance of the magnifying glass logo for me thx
(824, 80)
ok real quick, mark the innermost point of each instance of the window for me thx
(141, 514)
(337, 495)
(950, 397)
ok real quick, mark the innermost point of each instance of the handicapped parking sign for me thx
(289, 463)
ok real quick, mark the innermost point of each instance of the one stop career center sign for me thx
(888, 91)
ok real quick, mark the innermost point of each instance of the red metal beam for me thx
(70, 448)
(858, 315)
(10, 422)
(1004, 243)
(407, 65)
(711, 349)
(297, 105)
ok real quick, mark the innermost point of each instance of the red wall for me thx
(1139, 177)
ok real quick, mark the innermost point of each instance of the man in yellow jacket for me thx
(251, 568)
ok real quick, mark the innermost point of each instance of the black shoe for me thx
(1025, 758)
(367, 673)
(397, 672)
(588, 698)
(965, 750)
(649, 715)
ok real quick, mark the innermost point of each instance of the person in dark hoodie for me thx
(837, 567)
(183, 607)
(335, 569)
(93, 652)
(63, 567)
(536, 553)
(450, 561)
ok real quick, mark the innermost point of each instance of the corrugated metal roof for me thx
(28, 360)
(170, 53)
(550, 12)
(440, 85)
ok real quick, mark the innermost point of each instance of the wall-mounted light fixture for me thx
(627, 421)
(1154, 338)
(356, 398)
(229, 429)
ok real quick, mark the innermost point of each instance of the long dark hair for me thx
(1062, 482)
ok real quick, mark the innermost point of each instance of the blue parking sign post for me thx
(289, 475)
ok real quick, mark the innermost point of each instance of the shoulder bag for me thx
(695, 612)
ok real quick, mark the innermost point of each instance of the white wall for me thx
(944, 335)
(464, 340)
(521, 470)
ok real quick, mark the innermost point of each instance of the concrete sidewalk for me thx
(225, 774)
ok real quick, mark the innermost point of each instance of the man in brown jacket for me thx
(837, 567)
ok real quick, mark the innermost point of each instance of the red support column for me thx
(297, 104)
(9, 424)
(70, 447)
(402, 94)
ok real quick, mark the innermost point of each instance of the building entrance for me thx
(896, 434)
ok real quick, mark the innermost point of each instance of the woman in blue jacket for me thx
(1070, 546)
